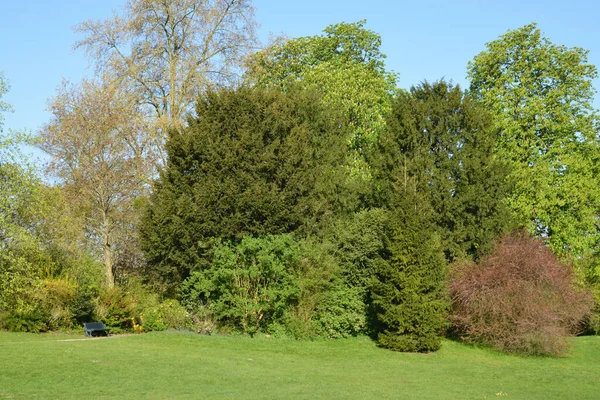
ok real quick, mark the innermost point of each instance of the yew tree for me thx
(441, 141)
(252, 162)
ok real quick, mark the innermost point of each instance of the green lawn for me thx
(173, 365)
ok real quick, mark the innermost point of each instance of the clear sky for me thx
(423, 39)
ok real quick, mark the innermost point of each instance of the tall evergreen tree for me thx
(437, 177)
(442, 138)
(253, 162)
(409, 292)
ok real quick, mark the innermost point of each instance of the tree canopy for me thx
(540, 95)
(100, 152)
(169, 52)
(347, 66)
(252, 162)
(4, 106)
(441, 141)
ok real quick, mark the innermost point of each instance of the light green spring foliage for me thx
(346, 66)
(4, 106)
(541, 96)
(36, 250)
(20, 254)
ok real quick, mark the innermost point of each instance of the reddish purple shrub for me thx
(520, 298)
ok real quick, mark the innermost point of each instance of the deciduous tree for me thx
(168, 52)
(4, 106)
(541, 96)
(99, 150)
(347, 66)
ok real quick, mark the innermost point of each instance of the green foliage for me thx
(4, 106)
(541, 97)
(22, 259)
(116, 310)
(341, 312)
(250, 285)
(409, 295)
(253, 162)
(440, 142)
(168, 315)
(56, 298)
(360, 242)
(346, 66)
(89, 277)
(25, 321)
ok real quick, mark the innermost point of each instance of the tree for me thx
(168, 52)
(21, 256)
(346, 66)
(439, 139)
(409, 291)
(4, 106)
(253, 162)
(99, 150)
(540, 95)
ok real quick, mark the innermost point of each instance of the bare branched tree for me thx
(169, 51)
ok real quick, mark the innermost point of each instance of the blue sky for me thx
(424, 39)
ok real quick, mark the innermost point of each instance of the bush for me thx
(248, 285)
(168, 315)
(260, 284)
(341, 313)
(56, 297)
(116, 310)
(358, 245)
(25, 321)
(519, 298)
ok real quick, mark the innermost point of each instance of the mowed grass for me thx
(173, 365)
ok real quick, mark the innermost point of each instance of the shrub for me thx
(341, 312)
(168, 315)
(519, 298)
(116, 310)
(248, 285)
(26, 321)
(271, 281)
(203, 320)
(55, 298)
(358, 245)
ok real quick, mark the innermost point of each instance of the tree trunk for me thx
(110, 279)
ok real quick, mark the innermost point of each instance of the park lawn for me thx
(176, 365)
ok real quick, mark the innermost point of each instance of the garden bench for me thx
(95, 329)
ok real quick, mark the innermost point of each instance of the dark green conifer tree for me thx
(441, 137)
(409, 293)
(252, 162)
(437, 176)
